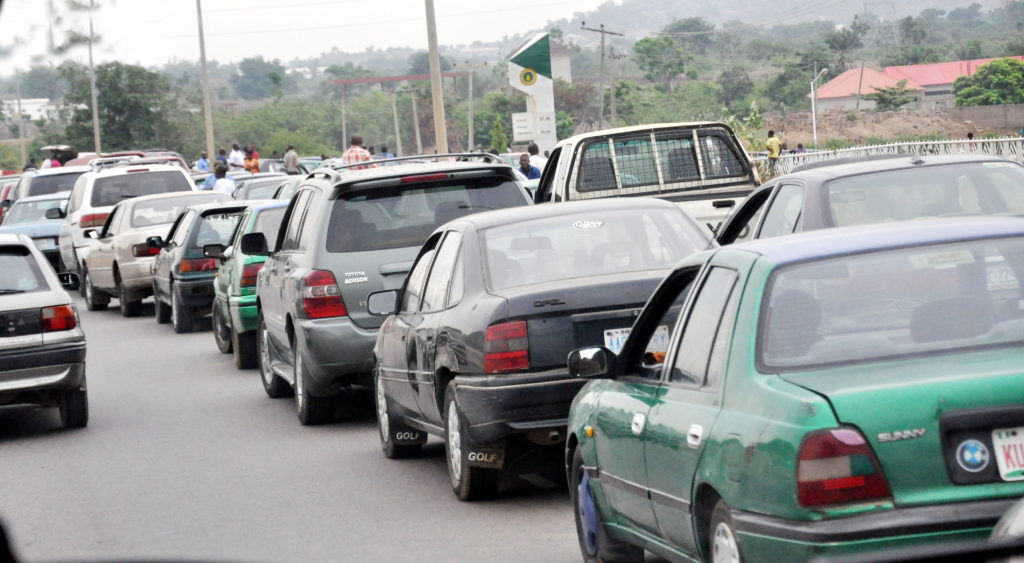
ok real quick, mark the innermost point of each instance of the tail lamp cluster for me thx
(837, 466)
(93, 220)
(506, 347)
(56, 319)
(249, 273)
(321, 296)
(142, 250)
(197, 265)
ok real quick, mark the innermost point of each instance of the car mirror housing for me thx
(54, 213)
(155, 242)
(592, 363)
(254, 244)
(214, 251)
(382, 303)
(69, 280)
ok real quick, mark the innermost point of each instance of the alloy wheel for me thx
(724, 548)
(454, 442)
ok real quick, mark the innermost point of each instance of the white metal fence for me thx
(1008, 147)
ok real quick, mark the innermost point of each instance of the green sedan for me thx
(835, 393)
(234, 303)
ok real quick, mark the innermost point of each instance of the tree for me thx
(846, 40)
(661, 58)
(998, 82)
(499, 141)
(419, 63)
(257, 78)
(694, 34)
(736, 87)
(43, 82)
(912, 32)
(343, 72)
(891, 98)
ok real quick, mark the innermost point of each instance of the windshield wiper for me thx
(10, 291)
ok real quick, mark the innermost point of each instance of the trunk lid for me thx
(363, 273)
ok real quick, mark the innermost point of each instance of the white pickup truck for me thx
(700, 166)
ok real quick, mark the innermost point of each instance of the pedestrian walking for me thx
(356, 154)
(774, 148)
(291, 160)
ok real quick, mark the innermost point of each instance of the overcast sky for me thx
(154, 32)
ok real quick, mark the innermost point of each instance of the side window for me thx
(657, 346)
(110, 225)
(240, 229)
(414, 286)
(291, 236)
(748, 217)
(720, 350)
(691, 362)
(547, 177)
(308, 228)
(718, 157)
(441, 273)
(784, 214)
(596, 171)
(180, 232)
(76, 194)
(458, 283)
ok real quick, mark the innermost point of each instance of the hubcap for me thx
(174, 310)
(265, 370)
(300, 393)
(89, 296)
(454, 444)
(382, 412)
(587, 514)
(723, 547)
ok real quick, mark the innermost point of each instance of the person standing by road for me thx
(222, 157)
(384, 152)
(223, 183)
(774, 148)
(530, 171)
(535, 158)
(236, 160)
(356, 153)
(202, 163)
(291, 160)
(252, 162)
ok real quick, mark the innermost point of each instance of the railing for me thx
(1011, 148)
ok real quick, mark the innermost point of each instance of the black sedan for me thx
(475, 348)
(880, 189)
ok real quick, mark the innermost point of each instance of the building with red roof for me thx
(842, 91)
(937, 78)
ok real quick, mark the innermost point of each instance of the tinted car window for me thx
(215, 227)
(268, 222)
(784, 214)
(403, 216)
(441, 273)
(414, 286)
(182, 228)
(691, 362)
(112, 189)
(291, 236)
(31, 211)
(160, 211)
(19, 271)
(50, 184)
(259, 189)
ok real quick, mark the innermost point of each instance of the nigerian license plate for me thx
(1008, 444)
(614, 338)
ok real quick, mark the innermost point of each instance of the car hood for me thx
(35, 229)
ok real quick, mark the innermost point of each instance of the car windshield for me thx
(591, 244)
(45, 184)
(848, 309)
(986, 188)
(259, 189)
(19, 271)
(215, 227)
(112, 189)
(161, 211)
(405, 215)
(32, 211)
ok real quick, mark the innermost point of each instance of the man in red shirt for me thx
(356, 153)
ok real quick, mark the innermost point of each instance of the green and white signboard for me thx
(529, 71)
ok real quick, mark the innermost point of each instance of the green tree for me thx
(419, 63)
(254, 79)
(661, 58)
(844, 41)
(499, 141)
(998, 82)
(891, 98)
(736, 88)
(43, 82)
(694, 34)
(564, 125)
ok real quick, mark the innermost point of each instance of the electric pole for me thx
(600, 29)
(398, 132)
(615, 78)
(92, 86)
(436, 93)
(471, 67)
(211, 155)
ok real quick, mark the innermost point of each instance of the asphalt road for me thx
(185, 457)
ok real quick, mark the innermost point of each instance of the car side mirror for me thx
(91, 233)
(382, 303)
(55, 213)
(5, 204)
(254, 244)
(592, 363)
(214, 251)
(69, 280)
(155, 242)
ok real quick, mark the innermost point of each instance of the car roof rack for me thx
(459, 156)
(105, 162)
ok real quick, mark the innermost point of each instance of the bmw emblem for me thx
(972, 455)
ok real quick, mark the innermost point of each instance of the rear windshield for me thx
(405, 215)
(162, 211)
(19, 271)
(112, 189)
(917, 300)
(591, 244)
(32, 211)
(259, 189)
(51, 183)
(986, 188)
(215, 227)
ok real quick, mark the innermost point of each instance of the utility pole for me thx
(211, 155)
(92, 87)
(436, 93)
(344, 121)
(814, 99)
(615, 78)
(398, 132)
(603, 32)
(21, 126)
(416, 123)
(470, 142)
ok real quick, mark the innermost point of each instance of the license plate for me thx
(614, 338)
(1008, 444)
(45, 243)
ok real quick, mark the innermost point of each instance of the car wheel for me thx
(244, 347)
(311, 410)
(129, 307)
(275, 387)
(94, 301)
(181, 316)
(81, 273)
(468, 483)
(388, 428)
(74, 408)
(722, 542)
(221, 331)
(595, 543)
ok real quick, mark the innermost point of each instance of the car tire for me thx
(468, 483)
(595, 543)
(723, 543)
(163, 311)
(244, 347)
(388, 427)
(94, 300)
(181, 316)
(74, 408)
(311, 410)
(275, 387)
(81, 273)
(129, 307)
(221, 332)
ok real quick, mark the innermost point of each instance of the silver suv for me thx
(346, 234)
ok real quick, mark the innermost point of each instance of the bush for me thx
(851, 116)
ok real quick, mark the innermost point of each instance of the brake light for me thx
(142, 249)
(837, 466)
(506, 347)
(61, 317)
(93, 220)
(321, 296)
(130, 170)
(425, 178)
(197, 265)
(249, 274)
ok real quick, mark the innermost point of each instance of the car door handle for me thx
(694, 435)
(639, 419)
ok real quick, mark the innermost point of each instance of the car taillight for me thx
(506, 347)
(424, 178)
(837, 466)
(321, 296)
(197, 265)
(93, 220)
(142, 249)
(61, 317)
(249, 274)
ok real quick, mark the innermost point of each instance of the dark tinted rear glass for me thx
(405, 215)
(19, 271)
(112, 189)
(215, 227)
(51, 184)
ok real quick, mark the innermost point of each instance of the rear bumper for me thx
(195, 293)
(337, 354)
(496, 406)
(137, 276)
(244, 314)
(56, 366)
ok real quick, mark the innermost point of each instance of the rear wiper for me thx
(10, 291)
